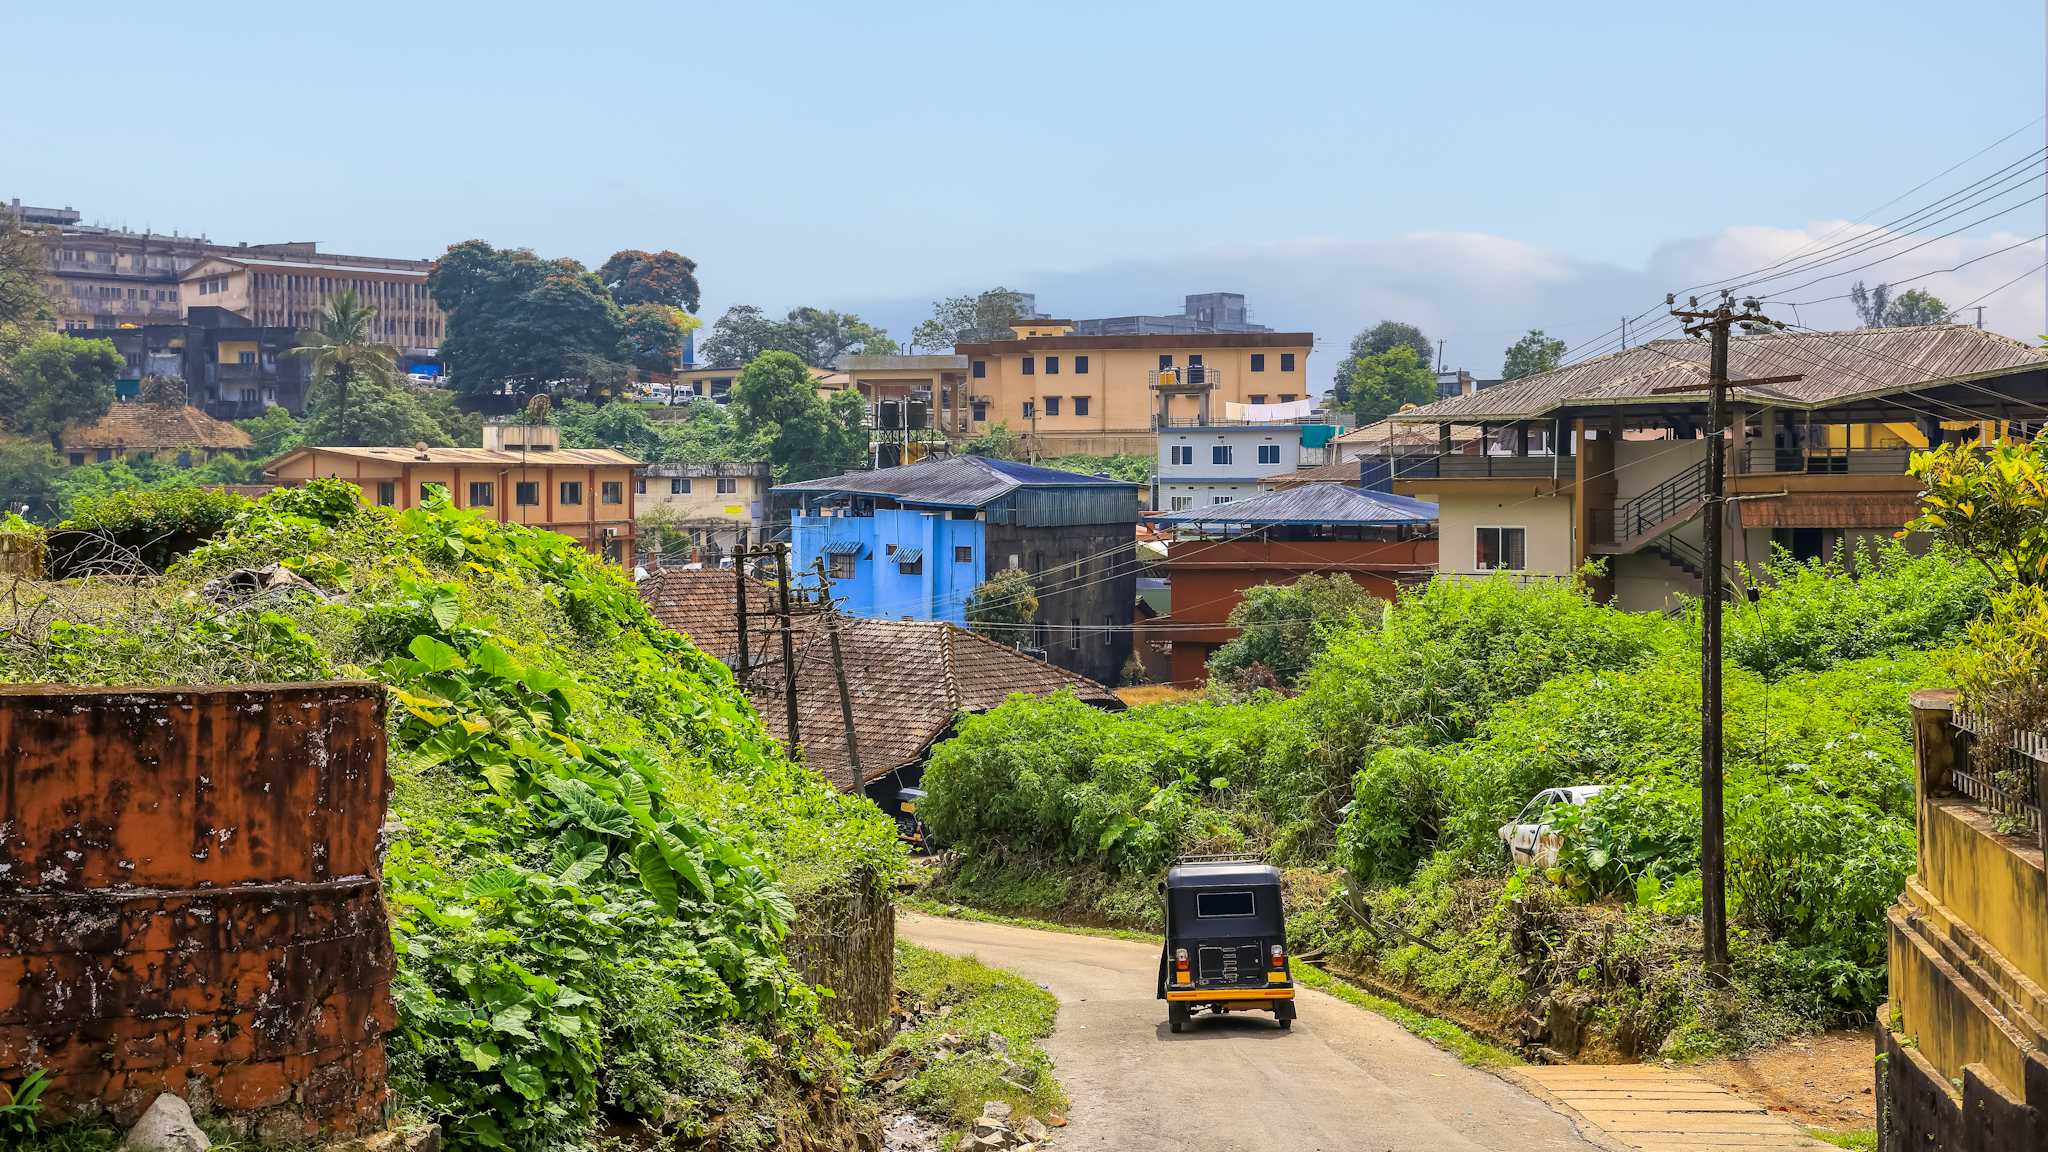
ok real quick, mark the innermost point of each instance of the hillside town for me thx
(507, 692)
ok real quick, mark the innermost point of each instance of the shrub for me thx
(145, 527)
(1281, 627)
(1886, 599)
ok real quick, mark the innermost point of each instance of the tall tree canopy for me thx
(345, 356)
(665, 278)
(807, 437)
(22, 302)
(52, 380)
(971, 319)
(652, 336)
(381, 410)
(520, 323)
(1876, 307)
(1532, 354)
(1003, 606)
(1383, 383)
(816, 336)
(1281, 628)
(1376, 340)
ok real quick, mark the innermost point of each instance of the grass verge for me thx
(956, 1067)
(1859, 1140)
(1444, 1034)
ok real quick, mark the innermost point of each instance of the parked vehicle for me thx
(1529, 837)
(1226, 940)
(909, 826)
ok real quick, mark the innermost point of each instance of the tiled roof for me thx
(529, 459)
(908, 679)
(952, 482)
(1333, 505)
(138, 424)
(1835, 368)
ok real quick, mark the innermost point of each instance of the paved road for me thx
(1342, 1079)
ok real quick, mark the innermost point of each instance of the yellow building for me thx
(1110, 394)
(708, 507)
(292, 290)
(520, 476)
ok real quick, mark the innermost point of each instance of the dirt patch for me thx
(1824, 1081)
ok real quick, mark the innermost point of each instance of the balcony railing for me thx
(2007, 778)
(1826, 461)
(1185, 378)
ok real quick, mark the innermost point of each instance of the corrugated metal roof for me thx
(842, 548)
(1331, 505)
(1835, 368)
(909, 555)
(954, 482)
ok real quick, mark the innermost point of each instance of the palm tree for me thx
(343, 349)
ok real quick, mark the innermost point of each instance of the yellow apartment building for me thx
(292, 291)
(1108, 394)
(520, 476)
(714, 507)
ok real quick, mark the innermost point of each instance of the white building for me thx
(1201, 465)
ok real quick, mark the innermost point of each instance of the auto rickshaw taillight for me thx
(1279, 956)
(1180, 959)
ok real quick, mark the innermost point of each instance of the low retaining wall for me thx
(845, 939)
(190, 902)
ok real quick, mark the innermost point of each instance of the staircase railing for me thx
(1667, 499)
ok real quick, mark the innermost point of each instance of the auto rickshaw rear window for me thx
(1218, 904)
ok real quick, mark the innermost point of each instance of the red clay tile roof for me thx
(908, 679)
(140, 425)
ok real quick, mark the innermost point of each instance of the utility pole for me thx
(1715, 323)
(839, 670)
(1624, 333)
(739, 574)
(788, 650)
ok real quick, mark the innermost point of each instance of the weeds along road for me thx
(1343, 1078)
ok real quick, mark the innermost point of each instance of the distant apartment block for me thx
(293, 288)
(1200, 312)
(232, 369)
(1203, 465)
(716, 508)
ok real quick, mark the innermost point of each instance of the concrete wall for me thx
(845, 939)
(1120, 399)
(1640, 465)
(879, 587)
(190, 902)
(1463, 508)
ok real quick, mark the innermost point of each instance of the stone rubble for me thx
(167, 1126)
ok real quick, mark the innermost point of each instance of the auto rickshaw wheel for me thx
(1176, 1016)
(1285, 1024)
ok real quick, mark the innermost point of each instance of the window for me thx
(1210, 905)
(1287, 361)
(727, 486)
(1074, 636)
(482, 494)
(981, 369)
(1052, 365)
(1222, 499)
(1030, 365)
(1183, 453)
(1502, 548)
(640, 485)
(980, 411)
(613, 552)
(912, 567)
(840, 566)
(1052, 405)
(572, 491)
(612, 492)
(1269, 453)
(102, 455)
(1257, 398)
(1080, 405)
(526, 493)
(1195, 360)
(1166, 360)
(1287, 397)
(1028, 410)
(245, 358)
(1183, 503)
(963, 554)
(78, 457)
(1258, 363)
(1219, 454)
(387, 492)
(1081, 365)
(678, 485)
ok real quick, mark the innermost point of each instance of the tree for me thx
(1532, 354)
(709, 434)
(1281, 627)
(652, 335)
(816, 336)
(272, 434)
(807, 437)
(996, 442)
(1914, 308)
(22, 301)
(54, 380)
(615, 425)
(344, 353)
(1003, 606)
(381, 410)
(1380, 338)
(971, 319)
(1381, 384)
(1872, 304)
(665, 278)
(519, 323)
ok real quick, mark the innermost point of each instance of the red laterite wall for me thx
(190, 901)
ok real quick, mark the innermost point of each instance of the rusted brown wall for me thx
(845, 939)
(190, 901)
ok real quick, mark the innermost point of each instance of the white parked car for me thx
(1529, 837)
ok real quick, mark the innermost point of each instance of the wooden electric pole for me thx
(788, 650)
(739, 572)
(839, 670)
(1715, 323)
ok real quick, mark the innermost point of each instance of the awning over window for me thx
(909, 555)
(843, 548)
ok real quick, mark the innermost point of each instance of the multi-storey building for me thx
(100, 278)
(1606, 459)
(232, 370)
(521, 475)
(290, 285)
(1218, 463)
(1201, 312)
(706, 509)
(1109, 394)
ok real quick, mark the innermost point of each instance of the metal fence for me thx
(2004, 778)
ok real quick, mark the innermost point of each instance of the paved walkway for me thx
(1658, 1109)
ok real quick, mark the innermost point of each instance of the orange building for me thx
(519, 476)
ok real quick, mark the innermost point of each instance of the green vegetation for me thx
(807, 437)
(1532, 354)
(1858, 1140)
(958, 1004)
(1378, 340)
(1383, 384)
(1002, 606)
(601, 851)
(1281, 627)
(1135, 467)
(1415, 734)
(817, 337)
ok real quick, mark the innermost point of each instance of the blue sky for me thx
(1480, 167)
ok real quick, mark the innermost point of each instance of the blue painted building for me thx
(912, 543)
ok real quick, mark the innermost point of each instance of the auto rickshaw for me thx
(1226, 940)
(909, 825)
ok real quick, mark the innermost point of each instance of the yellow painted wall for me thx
(1117, 385)
(231, 350)
(1998, 891)
(1462, 509)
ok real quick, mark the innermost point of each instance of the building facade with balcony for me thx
(911, 543)
(1217, 463)
(1606, 459)
(521, 475)
(231, 369)
(1102, 395)
(290, 286)
(702, 511)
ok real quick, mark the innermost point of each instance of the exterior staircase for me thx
(1654, 513)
